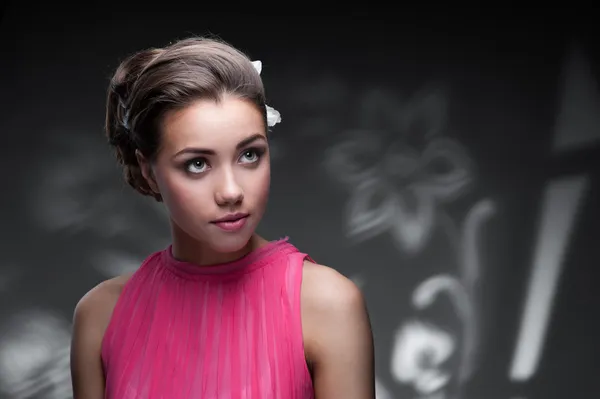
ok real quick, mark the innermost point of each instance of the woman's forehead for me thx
(212, 125)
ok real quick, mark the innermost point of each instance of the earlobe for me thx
(147, 172)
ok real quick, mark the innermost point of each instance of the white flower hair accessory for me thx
(273, 116)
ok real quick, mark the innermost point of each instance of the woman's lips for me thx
(232, 223)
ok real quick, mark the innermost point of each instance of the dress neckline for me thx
(253, 260)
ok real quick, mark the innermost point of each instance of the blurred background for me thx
(448, 162)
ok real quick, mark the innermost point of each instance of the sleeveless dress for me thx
(230, 331)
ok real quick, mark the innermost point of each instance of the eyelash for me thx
(258, 152)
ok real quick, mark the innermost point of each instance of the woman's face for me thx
(213, 171)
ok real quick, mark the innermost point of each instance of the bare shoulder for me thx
(325, 290)
(90, 319)
(93, 311)
(338, 341)
(331, 304)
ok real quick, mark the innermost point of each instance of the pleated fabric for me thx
(230, 331)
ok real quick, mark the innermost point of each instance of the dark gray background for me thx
(419, 154)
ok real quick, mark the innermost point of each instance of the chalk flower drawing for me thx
(420, 349)
(34, 356)
(399, 169)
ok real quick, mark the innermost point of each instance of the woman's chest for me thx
(214, 353)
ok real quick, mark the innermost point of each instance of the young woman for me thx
(221, 312)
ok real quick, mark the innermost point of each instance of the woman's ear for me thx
(146, 169)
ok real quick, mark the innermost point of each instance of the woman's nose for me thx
(228, 190)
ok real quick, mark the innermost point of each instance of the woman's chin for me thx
(232, 243)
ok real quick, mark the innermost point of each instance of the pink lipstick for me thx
(232, 222)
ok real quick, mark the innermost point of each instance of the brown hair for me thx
(152, 82)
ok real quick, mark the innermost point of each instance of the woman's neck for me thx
(190, 250)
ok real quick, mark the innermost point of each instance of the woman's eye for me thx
(196, 166)
(250, 156)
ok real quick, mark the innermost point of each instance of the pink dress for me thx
(220, 332)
